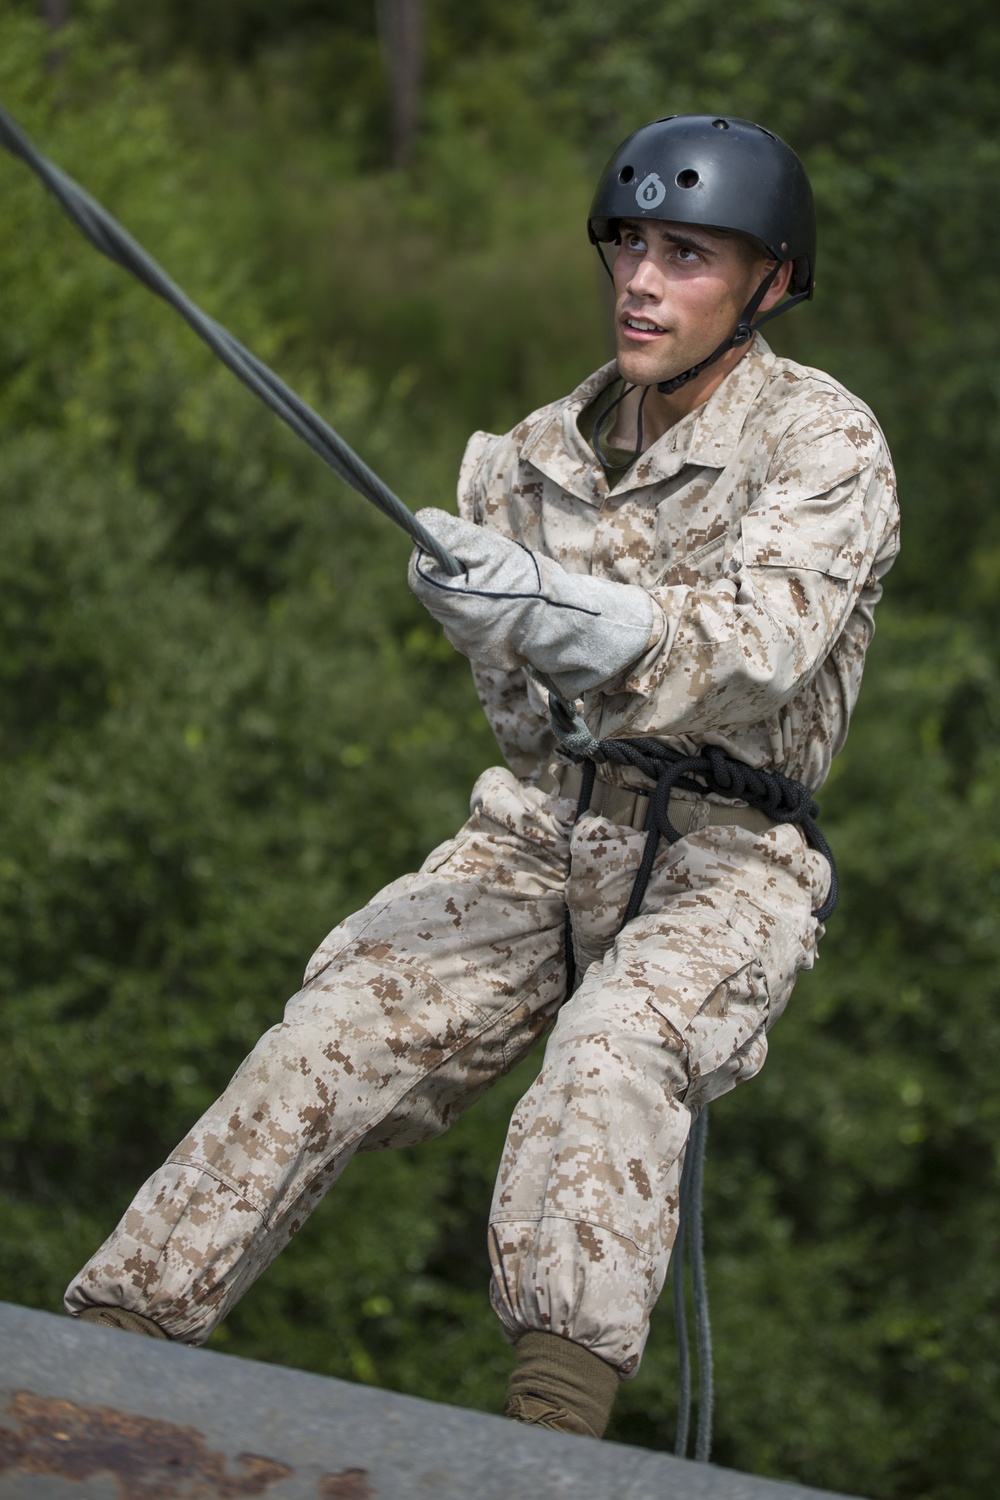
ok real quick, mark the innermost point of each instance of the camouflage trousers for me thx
(411, 1009)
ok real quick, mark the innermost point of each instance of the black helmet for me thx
(721, 173)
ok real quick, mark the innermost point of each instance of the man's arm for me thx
(513, 608)
(693, 656)
(735, 650)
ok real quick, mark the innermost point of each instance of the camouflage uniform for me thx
(762, 525)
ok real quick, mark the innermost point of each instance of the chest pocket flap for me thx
(824, 533)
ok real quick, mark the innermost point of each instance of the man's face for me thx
(679, 291)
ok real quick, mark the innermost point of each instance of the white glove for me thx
(514, 608)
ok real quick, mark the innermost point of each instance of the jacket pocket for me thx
(715, 999)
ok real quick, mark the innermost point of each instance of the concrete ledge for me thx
(89, 1412)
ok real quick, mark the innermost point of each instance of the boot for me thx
(561, 1385)
(120, 1317)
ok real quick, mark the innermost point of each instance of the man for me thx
(690, 547)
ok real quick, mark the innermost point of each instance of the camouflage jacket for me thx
(761, 524)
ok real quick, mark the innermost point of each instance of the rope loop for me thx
(709, 769)
(783, 800)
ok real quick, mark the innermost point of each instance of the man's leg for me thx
(676, 1013)
(410, 1010)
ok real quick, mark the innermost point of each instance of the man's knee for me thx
(603, 1047)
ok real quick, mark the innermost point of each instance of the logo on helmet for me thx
(650, 193)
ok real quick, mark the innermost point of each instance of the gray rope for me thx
(108, 236)
(699, 1292)
(691, 1226)
(680, 1318)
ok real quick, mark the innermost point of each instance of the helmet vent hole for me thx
(721, 124)
(626, 174)
(689, 178)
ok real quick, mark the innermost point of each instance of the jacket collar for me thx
(706, 438)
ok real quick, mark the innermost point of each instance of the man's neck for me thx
(661, 412)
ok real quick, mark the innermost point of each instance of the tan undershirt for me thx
(613, 459)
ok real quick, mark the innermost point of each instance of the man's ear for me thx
(779, 286)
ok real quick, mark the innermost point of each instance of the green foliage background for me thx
(224, 723)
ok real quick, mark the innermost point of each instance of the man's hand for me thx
(514, 608)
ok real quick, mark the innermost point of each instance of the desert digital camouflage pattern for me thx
(762, 525)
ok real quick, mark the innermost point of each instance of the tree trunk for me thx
(401, 30)
(56, 13)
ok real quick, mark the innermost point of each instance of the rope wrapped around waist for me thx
(780, 798)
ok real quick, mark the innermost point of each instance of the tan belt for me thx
(628, 807)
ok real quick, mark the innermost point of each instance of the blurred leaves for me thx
(225, 723)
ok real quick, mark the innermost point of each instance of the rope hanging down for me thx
(691, 1223)
(781, 799)
(108, 236)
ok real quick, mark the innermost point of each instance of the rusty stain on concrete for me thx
(352, 1484)
(149, 1459)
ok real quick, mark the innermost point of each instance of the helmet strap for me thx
(743, 334)
(745, 330)
(605, 414)
(775, 312)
